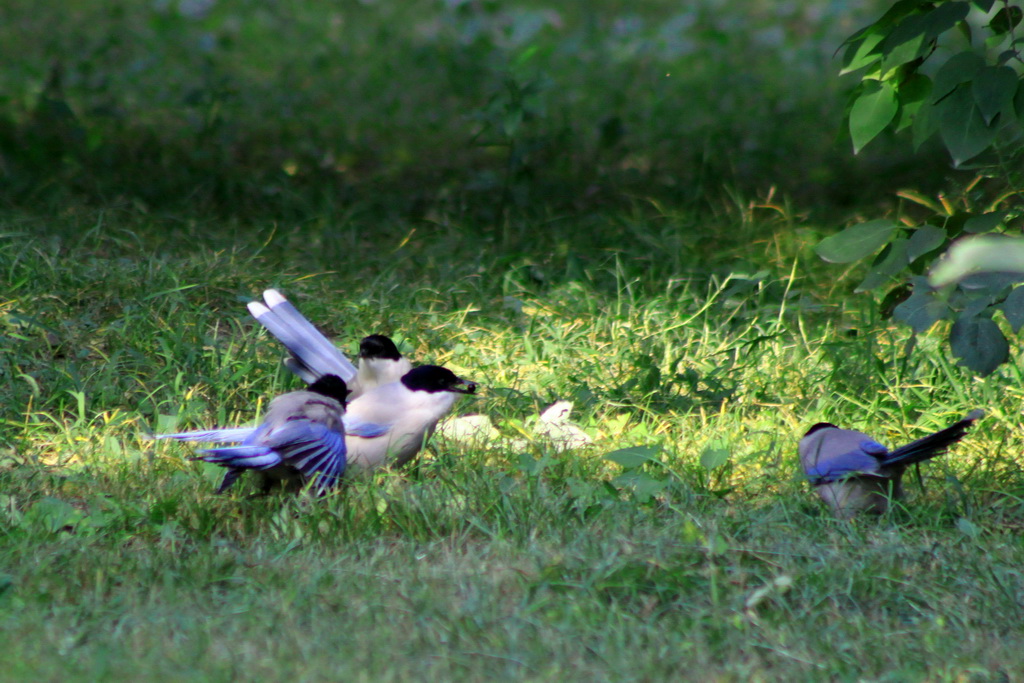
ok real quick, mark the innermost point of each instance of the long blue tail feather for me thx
(933, 444)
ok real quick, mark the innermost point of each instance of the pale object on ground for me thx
(476, 429)
(551, 426)
(554, 426)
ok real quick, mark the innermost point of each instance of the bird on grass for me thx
(301, 440)
(853, 473)
(408, 410)
(379, 363)
(313, 355)
(393, 407)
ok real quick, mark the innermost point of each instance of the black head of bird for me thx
(378, 346)
(434, 378)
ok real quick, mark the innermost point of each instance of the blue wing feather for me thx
(229, 435)
(836, 467)
(872, 447)
(355, 426)
(247, 457)
(312, 449)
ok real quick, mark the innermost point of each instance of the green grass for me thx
(683, 333)
(548, 213)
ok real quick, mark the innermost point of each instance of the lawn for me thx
(672, 296)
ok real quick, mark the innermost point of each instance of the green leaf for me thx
(1018, 103)
(1005, 55)
(873, 280)
(914, 36)
(898, 11)
(958, 69)
(1013, 308)
(984, 5)
(962, 126)
(645, 488)
(714, 456)
(922, 309)
(944, 17)
(643, 485)
(861, 53)
(533, 467)
(986, 287)
(871, 113)
(880, 28)
(926, 124)
(915, 90)
(968, 528)
(979, 344)
(985, 222)
(634, 456)
(925, 239)
(993, 88)
(903, 53)
(909, 30)
(1006, 19)
(891, 261)
(856, 241)
(52, 514)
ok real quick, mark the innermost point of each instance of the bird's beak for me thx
(464, 387)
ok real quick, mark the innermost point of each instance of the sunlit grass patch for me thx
(674, 535)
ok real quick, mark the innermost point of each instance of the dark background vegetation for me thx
(610, 203)
(286, 109)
